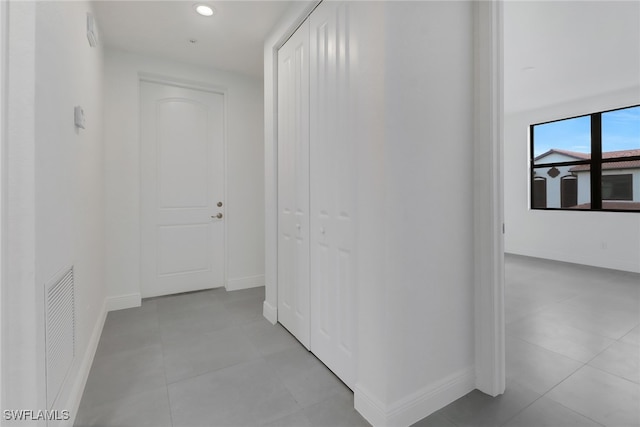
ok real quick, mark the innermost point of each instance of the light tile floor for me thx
(573, 351)
(210, 359)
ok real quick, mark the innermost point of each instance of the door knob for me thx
(219, 216)
(219, 204)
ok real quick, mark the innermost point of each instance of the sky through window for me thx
(620, 131)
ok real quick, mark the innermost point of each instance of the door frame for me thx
(490, 364)
(203, 87)
(4, 25)
(488, 185)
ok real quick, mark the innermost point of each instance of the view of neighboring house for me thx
(570, 186)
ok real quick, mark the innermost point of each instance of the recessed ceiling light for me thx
(204, 10)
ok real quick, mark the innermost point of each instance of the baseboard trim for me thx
(415, 406)
(270, 312)
(371, 408)
(245, 282)
(630, 266)
(85, 367)
(122, 302)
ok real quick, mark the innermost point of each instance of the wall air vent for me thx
(60, 331)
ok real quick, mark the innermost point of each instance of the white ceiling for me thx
(230, 40)
(557, 51)
(554, 51)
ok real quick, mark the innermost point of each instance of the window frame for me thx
(595, 163)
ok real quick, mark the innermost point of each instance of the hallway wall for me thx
(55, 188)
(429, 207)
(245, 166)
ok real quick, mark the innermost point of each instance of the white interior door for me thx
(181, 189)
(293, 185)
(333, 197)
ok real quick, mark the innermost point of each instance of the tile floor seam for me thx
(627, 333)
(169, 401)
(563, 380)
(124, 350)
(552, 351)
(171, 408)
(575, 412)
(448, 418)
(520, 411)
(572, 410)
(557, 402)
(164, 357)
(603, 370)
(564, 406)
(212, 371)
(601, 335)
(612, 374)
(532, 313)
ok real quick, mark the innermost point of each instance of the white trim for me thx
(203, 87)
(488, 199)
(4, 25)
(182, 83)
(122, 302)
(73, 402)
(417, 405)
(370, 407)
(245, 283)
(270, 312)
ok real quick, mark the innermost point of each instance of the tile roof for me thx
(631, 164)
(575, 154)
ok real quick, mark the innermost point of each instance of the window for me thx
(590, 162)
(539, 192)
(617, 187)
(568, 191)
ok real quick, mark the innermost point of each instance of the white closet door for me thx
(293, 184)
(333, 175)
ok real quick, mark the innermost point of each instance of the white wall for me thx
(415, 302)
(4, 56)
(602, 239)
(23, 346)
(55, 192)
(429, 207)
(244, 207)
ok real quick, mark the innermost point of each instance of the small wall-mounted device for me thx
(78, 116)
(91, 31)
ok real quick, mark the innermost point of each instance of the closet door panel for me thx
(333, 195)
(293, 185)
